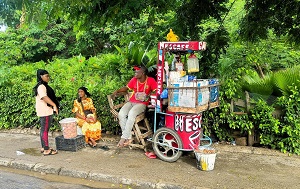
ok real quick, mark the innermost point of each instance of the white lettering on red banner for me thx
(159, 79)
(183, 45)
(187, 123)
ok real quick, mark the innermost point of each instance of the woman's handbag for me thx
(87, 112)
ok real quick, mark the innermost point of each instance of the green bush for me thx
(280, 133)
(10, 50)
(101, 75)
(267, 125)
(290, 125)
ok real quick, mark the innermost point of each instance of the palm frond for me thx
(255, 84)
(284, 78)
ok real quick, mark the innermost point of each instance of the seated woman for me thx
(85, 112)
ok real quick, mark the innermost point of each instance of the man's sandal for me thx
(121, 143)
(128, 142)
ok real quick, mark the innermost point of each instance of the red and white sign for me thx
(187, 126)
(183, 45)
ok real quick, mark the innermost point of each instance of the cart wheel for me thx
(166, 143)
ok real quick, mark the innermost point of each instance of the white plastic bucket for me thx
(205, 162)
(69, 127)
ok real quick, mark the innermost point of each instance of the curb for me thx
(93, 175)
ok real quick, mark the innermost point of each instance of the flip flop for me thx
(52, 152)
(127, 142)
(121, 143)
(150, 155)
(42, 151)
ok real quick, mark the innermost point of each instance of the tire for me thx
(164, 142)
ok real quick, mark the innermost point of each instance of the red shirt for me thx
(148, 86)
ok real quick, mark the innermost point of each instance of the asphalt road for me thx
(22, 179)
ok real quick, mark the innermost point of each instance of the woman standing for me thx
(85, 112)
(46, 105)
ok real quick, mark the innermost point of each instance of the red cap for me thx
(136, 68)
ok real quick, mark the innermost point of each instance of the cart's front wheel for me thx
(167, 144)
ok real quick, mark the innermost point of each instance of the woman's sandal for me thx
(42, 150)
(91, 145)
(52, 152)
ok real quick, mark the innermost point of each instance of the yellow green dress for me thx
(89, 130)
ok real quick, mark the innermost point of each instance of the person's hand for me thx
(90, 120)
(113, 96)
(55, 109)
(87, 120)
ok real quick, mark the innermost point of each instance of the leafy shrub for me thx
(281, 132)
(267, 125)
(101, 75)
(10, 50)
(290, 126)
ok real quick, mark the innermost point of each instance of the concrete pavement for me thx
(235, 166)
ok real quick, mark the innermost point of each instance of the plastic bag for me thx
(164, 94)
(214, 92)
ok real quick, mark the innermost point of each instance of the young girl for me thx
(46, 105)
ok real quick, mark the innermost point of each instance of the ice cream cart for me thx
(180, 113)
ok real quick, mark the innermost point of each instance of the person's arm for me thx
(121, 90)
(80, 116)
(75, 110)
(49, 101)
(93, 110)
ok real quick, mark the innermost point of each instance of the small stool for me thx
(142, 131)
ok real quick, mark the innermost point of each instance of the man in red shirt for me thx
(142, 86)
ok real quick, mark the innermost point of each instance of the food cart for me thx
(180, 112)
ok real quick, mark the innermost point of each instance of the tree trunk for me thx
(261, 73)
(22, 18)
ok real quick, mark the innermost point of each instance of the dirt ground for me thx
(235, 166)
